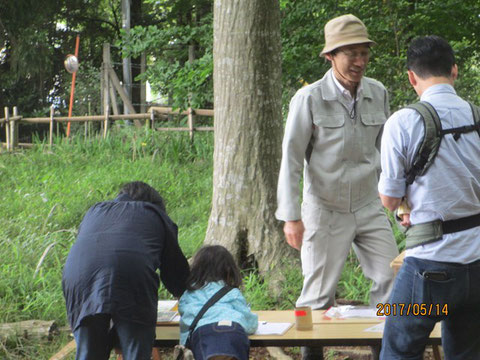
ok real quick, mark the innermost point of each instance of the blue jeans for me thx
(95, 339)
(217, 340)
(436, 291)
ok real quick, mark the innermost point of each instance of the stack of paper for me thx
(167, 311)
(272, 328)
(350, 311)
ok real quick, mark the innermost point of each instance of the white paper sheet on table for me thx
(350, 311)
(376, 328)
(167, 305)
(272, 328)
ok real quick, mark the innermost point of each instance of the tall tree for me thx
(248, 131)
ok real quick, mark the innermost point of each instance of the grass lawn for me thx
(44, 194)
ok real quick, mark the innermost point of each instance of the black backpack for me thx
(433, 136)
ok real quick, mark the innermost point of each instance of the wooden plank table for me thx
(325, 332)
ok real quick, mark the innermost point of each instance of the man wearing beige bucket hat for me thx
(333, 133)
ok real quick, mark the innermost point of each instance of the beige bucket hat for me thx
(344, 30)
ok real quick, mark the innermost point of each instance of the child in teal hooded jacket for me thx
(224, 328)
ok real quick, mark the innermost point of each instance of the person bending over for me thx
(110, 281)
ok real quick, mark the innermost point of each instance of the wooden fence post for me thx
(105, 126)
(50, 133)
(113, 99)
(143, 84)
(14, 129)
(106, 78)
(190, 123)
(152, 119)
(191, 59)
(7, 128)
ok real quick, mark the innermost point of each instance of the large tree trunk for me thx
(248, 132)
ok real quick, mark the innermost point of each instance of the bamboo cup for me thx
(303, 318)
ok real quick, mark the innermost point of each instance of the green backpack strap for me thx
(476, 116)
(431, 140)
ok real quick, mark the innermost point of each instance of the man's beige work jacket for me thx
(339, 155)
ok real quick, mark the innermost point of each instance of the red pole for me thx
(72, 90)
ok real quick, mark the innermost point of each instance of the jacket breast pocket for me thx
(372, 125)
(329, 121)
(329, 133)
(374, 119)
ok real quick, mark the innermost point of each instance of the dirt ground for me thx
(330, 353)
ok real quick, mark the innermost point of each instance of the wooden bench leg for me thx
(156, 354)
(436, 352)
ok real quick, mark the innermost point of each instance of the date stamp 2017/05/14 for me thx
(400, 309)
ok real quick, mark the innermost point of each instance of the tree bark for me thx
(248, 132)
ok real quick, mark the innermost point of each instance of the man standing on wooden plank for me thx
(110, 280)
(333, 133)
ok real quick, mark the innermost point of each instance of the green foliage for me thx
(48, 192)
(189, 82)
(21, 348)
(392, 24)
(44, 193)
(35, 37)
(352, 284)
(256, 292)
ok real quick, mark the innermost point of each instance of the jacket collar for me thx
(123, 197)
(438, 89)
(330, 92)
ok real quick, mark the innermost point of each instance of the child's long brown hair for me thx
(213, 263)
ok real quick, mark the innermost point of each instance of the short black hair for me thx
(213, 263)
(429, 56)
(140, 191)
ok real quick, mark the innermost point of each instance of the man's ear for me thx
(412, 78)
(454, 72)
(329, 57)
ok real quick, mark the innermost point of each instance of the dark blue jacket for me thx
(112, 267)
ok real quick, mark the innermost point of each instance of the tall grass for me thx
(45, 192)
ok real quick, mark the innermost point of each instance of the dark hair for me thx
(213, 263)
(334, 52)
(429, 56)
(140, 191)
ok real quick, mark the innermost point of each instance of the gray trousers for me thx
(326, 243)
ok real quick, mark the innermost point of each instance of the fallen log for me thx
(29, 329)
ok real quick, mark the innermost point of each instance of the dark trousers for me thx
(95, 339)
(229, 341)
(426, 292)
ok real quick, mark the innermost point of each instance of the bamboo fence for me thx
(11, 122)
